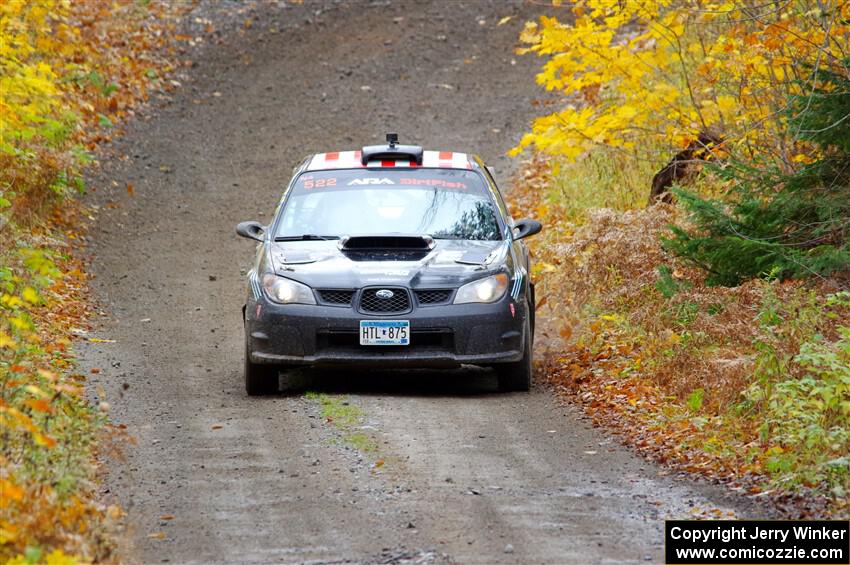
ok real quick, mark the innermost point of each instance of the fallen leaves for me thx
(39, 405)
(665, 373)
(75, 71)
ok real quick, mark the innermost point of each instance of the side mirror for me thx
(525, 227)
(251, 230)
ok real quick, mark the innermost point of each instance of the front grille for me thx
(371, 302)
(336, 297)
(436, 296)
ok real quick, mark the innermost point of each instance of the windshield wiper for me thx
(447, 236)
(306, 237)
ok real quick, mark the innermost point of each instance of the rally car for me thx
(391, 256)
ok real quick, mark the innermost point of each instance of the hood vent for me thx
(386, 243)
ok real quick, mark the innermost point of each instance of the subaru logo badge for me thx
(385, 294)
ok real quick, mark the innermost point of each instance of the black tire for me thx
(516, 377)
(260, 379)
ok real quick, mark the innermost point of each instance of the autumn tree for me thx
(774, 222)
(707, 80)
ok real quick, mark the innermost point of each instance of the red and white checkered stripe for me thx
(446, 160)
(351, 160)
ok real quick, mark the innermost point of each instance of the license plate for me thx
(384, 332)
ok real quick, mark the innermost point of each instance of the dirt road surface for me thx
(458, 473)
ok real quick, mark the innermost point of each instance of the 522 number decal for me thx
(319, 183)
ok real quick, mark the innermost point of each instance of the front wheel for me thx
(259, 379)
(517, 376)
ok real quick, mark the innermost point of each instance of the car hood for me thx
(321, 264)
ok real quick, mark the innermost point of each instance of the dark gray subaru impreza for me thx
(390, 257)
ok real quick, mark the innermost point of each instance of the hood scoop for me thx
(386, 247)
(386, 243)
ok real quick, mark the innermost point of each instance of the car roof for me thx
(352, 160)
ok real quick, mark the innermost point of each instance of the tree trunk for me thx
(682, 166)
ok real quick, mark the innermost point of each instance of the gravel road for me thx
(439, 468)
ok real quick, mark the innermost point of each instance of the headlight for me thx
(286, 291)
(486, 290)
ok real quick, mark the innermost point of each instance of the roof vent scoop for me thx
(392, 150)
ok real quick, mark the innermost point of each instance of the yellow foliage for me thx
(69, 70)
(30, 295)
(29, 96)
(638, 75)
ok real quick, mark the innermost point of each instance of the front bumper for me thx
(441, 336)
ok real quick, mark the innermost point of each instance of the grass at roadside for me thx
(748, 385)
(346, 418)
(69, 74)
(598, 180)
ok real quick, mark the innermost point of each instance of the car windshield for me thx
(442, 203)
